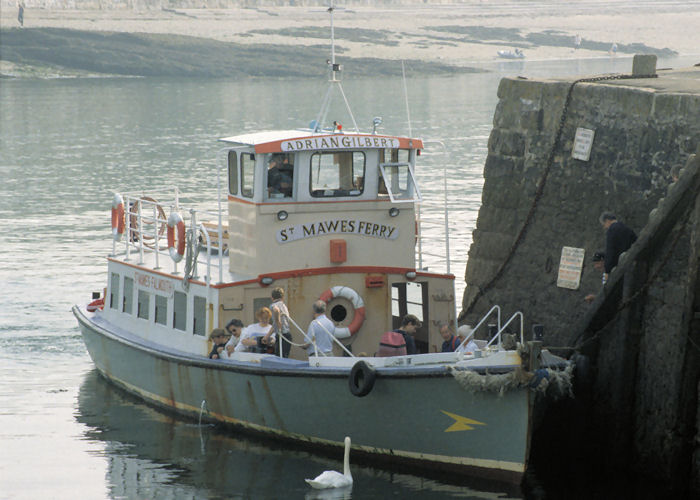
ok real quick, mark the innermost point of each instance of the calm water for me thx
(65, 147)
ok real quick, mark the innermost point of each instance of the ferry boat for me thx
(340, 226)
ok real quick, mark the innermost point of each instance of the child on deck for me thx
(219, 337)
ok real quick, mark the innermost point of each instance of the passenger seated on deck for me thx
(280, 175)
(219, 337)
(465, 332)
(252, 336)
(450, 341)
(234, 328)
(409, 325)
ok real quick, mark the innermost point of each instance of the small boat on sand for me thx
(511, 54)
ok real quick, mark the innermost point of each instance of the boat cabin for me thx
(300, 200)
(328, 215)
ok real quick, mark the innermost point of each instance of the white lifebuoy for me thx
(117, 217)
(175, 223)
(357, 303)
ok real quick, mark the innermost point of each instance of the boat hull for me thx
(419, 416)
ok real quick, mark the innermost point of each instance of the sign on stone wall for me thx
(583, 142)
(570, 267)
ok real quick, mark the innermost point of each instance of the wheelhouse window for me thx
(232, 172)
(128, 299)
(200, 316)
(144, 302)
(247, 174)
(396, 177)
(180, 311)
(280, 176)
(161, 309)
(114, 291)
(337, 174)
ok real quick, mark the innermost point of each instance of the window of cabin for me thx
(247, 174)
(180, 311)
(114, 291)
(396, 177)
(337, 174)
(280, 176)
(128, 299)
(232, 172)
(161, 309)
(143, 303)
(200, 316)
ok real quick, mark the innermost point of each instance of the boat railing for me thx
(146, 229)
(502, 328)
(495, 309)
(312, 341)
(420, 221)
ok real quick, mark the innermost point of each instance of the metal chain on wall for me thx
(541, 183)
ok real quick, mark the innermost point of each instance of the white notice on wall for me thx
(583, 142)
(570, 268)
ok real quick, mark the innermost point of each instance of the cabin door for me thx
(411, 298)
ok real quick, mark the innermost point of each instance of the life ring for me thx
(357, 303)
(96, 304)
(117, 217)
(175, 223)
(361, 380)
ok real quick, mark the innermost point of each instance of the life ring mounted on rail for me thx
(117, 217)
(357, 304)
(176, 230)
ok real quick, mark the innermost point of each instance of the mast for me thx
(333, 82)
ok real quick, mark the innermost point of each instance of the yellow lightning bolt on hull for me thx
(461, 423)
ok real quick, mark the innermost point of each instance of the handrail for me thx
(505, 325)
(134, 240)
(481, 322)
(333, 337)
(310, 341)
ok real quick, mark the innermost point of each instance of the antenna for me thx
(334, 81)
(405, 95)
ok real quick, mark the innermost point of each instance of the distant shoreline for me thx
(289, 41)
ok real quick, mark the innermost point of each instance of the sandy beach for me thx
(466, 34)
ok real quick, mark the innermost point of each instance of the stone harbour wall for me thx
(642, 332)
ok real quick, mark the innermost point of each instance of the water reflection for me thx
(152, 454)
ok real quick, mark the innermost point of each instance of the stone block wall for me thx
(639, 135)
(642, 333)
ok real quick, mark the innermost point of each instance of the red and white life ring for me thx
(117, 217)
(357, 303)
(175, 223)
(96, 304)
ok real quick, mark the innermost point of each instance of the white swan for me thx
(334, 479)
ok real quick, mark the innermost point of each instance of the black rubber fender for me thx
(361, 380)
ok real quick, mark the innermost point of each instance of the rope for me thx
(541, 184)
(191, 256)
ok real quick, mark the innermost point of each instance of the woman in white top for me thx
(249, 337)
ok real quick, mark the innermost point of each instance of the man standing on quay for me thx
(618, 239)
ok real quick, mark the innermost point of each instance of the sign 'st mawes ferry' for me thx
(323, 214)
